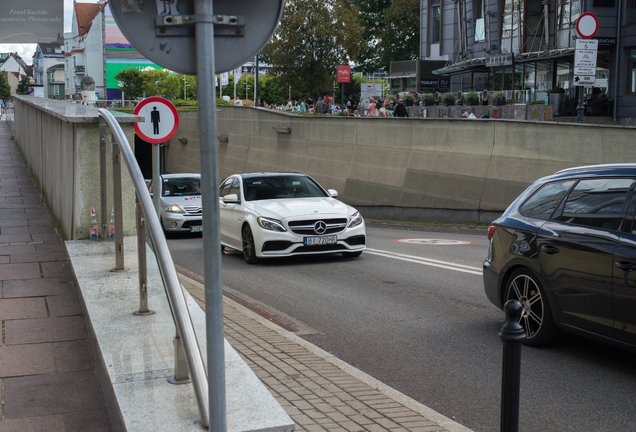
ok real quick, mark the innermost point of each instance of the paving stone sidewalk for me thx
(317, 390)
(47, 378)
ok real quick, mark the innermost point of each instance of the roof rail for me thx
(596, 167)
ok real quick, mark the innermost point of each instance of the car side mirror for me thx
(332, 192)
(231, 199)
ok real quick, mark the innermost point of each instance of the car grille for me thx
(320, 248)
(306, 227)
(188, 224)
(192, 209)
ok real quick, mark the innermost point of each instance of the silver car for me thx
(181, 208)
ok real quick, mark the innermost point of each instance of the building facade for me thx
(14, 68)
(84, 52)
(527, 47)
(46, 56)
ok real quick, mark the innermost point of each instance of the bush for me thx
(448, 98)
(472, 98)
(428, 99)
(498, 98)
(557, 89)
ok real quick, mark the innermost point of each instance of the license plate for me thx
(309, 241)
(196, 228)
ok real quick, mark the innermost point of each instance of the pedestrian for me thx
(381, 109)
(389, 107)
(371, 109)
(400, 109)
(289, 105)
(321, 106)
(302, 107)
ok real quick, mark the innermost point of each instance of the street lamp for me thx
(289, 92)
(185, 85)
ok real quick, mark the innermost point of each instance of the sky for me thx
(26, 50)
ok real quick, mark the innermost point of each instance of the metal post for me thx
(117, 206)
(157, 186)
(512, 335)
(141, 258)
(181, 370)
(204, 35)
(103, 128)
(580, 108)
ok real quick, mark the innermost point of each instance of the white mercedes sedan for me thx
(283, 214)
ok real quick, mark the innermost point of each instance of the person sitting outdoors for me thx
(194, 188)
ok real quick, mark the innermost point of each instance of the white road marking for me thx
(426, 261)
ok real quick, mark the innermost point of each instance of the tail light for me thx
(491, 231)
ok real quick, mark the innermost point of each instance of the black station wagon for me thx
(566, 249)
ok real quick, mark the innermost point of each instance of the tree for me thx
(313, 37)
(391, 29)
(23, 86)
(133, 82)
(5, 88)
(372, 21)
(400, 37)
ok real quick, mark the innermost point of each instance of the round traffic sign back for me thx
(587, 25)
(162, 120)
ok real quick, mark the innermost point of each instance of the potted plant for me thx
(427, 99)
(472, 98)
(498, 98)
(448, 99)
(555, 97)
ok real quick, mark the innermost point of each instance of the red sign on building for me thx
(344, 74)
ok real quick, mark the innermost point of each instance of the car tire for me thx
(536, 317)
(351, 254)
(249, 250)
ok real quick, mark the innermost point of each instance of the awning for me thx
(465, 65)
(401, 76)
(461, 66)
(543, 55)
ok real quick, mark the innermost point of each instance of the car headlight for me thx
(271, 224)
(355, 220)
(173, 208)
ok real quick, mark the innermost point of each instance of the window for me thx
(510, 26)
(596, 203)
(631, 74)
(543, 202)
(436, 25)
(630, 12)
(478, 16)
(567, 14)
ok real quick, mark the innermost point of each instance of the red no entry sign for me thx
(587, 25)
(162, 120)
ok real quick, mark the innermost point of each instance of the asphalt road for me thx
(411, 312)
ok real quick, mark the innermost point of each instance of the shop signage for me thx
(428, 83)
(344, 74)
(606, 41)
(499, 60)
(444, 83)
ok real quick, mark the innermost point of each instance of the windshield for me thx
(181, 186)
(281, 187)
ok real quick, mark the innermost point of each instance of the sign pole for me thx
(156, 179)
(204, 41)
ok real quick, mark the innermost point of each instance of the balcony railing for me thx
(80, 68)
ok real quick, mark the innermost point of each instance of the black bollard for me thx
(512, 335)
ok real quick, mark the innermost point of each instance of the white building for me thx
(46, 56)
(84, 53)
(13, 67)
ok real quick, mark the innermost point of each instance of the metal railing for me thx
(188, 359)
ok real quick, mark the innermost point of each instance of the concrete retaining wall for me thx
(60, 142)
(413, 167)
